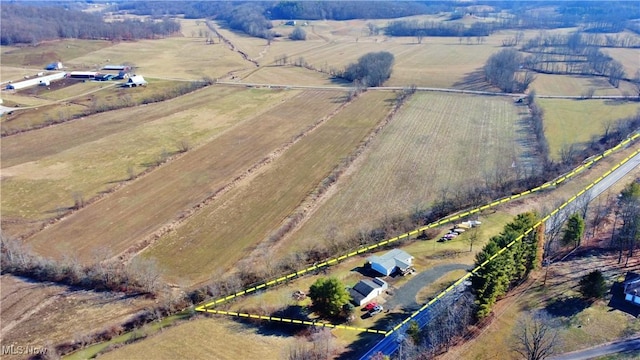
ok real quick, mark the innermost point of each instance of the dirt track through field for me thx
(122, 219)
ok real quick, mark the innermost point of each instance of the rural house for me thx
(395, 259)
(367, 290)
(135, 80)
(632, 288)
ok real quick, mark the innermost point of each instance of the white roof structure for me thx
(388, 262)
(36, 81)
(136, 80)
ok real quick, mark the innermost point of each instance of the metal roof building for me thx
(36, 81)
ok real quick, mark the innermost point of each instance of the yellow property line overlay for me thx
(330, 262)
(535, 226)
(293, 321)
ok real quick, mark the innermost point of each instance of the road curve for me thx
(629, 346)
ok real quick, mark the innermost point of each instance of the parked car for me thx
(370, 306)
(376, 310)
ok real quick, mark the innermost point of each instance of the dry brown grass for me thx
(41, 315)
(140, 208)
(41, 168)
(249, 214)
(433, 144)
(562, 117)
(212, 338)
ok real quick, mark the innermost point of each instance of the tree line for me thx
(23, 24)
(494, 279)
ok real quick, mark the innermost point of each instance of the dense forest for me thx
(32, 24)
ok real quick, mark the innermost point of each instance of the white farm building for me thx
(44, 80)
(135, 80)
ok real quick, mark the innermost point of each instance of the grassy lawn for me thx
(146, 204)
(260, 206)
(562, 117)
(431, 147)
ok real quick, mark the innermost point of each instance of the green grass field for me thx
(432, 146)
(562, 117)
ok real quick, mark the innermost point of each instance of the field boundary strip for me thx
(206, 307)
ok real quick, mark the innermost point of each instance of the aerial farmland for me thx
(206, 211)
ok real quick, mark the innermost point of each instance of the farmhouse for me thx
(367, 290)
(395, 259)
(632, 288)
(135, 80)
(42, 80)
(83, 74)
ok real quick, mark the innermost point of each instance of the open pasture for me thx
(51, 51)
(183, 58)
(227, 230)
(576, 85)
(563, 116)
(92, 155)
(135, 211)
(436, 144)
(629, 58)
(287, 75)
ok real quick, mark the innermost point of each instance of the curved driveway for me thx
(405, 296)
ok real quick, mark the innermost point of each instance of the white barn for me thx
(395, 259)
(136, 80)
(47, 79)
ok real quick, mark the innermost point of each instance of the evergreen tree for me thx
(328, 296)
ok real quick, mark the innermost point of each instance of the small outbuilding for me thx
(54, 66)
(136, 80)
(367, 290)
(632, 288)
(394, 260)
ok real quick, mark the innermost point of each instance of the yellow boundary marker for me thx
(282, 279)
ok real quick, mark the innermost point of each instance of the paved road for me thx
(629, 347)
(405, 296)
(596, 190)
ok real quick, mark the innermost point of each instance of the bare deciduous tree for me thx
(536, 337)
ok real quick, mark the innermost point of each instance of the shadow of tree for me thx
(474, 80)
(566, 307)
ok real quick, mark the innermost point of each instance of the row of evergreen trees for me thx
(511, 266)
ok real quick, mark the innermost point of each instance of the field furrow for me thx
(223, 233)
(437, 145)
(123, 218)
(93, 155)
